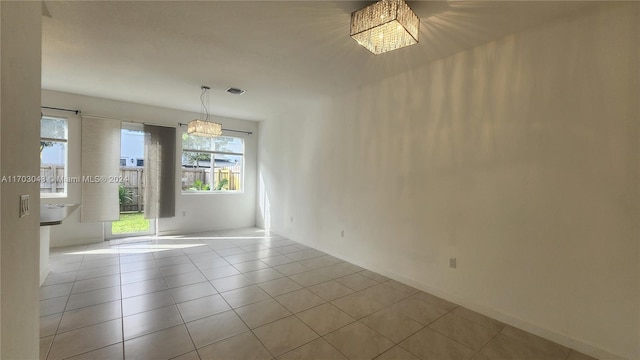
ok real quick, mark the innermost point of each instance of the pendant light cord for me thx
(205, 92)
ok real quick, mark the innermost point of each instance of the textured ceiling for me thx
(283, 53)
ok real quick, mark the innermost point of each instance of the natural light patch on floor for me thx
(136, 249)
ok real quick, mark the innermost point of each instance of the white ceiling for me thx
(282, 53)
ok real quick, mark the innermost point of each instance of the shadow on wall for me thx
(264, 206)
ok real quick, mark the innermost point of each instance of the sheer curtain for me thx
(100, 169)
(160, 174)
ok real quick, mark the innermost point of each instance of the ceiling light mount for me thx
(384, 26)
(204, 127)
(235, 90)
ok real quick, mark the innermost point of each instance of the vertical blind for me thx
(160, 172)
(100, 169)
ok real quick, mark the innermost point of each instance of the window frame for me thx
(65, 141)
(213, 154)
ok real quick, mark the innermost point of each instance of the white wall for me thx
(203, 211)
(20, 57)
(518, 157)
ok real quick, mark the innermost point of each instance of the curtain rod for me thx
(230, 130)
(61, 109)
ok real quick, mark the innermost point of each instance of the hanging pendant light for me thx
(204, 127)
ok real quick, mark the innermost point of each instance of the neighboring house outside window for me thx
(212, 164)
(53, 156)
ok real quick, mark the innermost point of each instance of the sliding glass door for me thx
(131, 187)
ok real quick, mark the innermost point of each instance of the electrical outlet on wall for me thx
(453, 263)
(292, 219)
(342, 233)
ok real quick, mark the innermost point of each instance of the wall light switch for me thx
(24, 205)
(452, 263)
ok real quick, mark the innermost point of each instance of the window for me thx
(139, 162)
(53, 156)
(212, 164)
(123, 162)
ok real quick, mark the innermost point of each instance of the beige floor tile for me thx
(405, 289)
(374, 276)
(45, 345)
(177, 269)
(357, 341)
(174, 260)
(299, 300)
(291, 268)
(162, 344)
(276, 260)
(86, 339)
(529, 340)
(325, 318)
(576, 355)
(252, 265)
(146, 302)
(312, 277)
(77, 301)
(90, 315)
(318, 349)
(435, 301)
(52, 291)
(235, 259)
(419, 311)
(231, 283)
(53, 306)
(320, 261)
(220, 272)
(215, 328)
(356, 282)
(192, 355)
(60, 278)
(263, 275)
(150, 321)
(185, 279)
(430, 345)
(98, 272)
(243, 346)
(263, 312)
(397, 353)
(392, 324)
(209, 262)
(140, 275)
(464, 331)
(330, 290)
(138, 265)
(95, 283)
(505, 347)
(245, 296)
(202, 307)
(111, 352)
(284, 335)
(384, 294)
(143, 287)
(279, 286)
(192, 292)
(49, 324)
(477, 318)
(93, 263)
(357, 305)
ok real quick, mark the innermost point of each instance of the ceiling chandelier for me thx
(204, 127)
(384, 26)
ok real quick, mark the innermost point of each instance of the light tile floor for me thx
(246, 294)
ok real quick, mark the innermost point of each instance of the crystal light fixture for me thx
(204, 127)
(384, 26)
